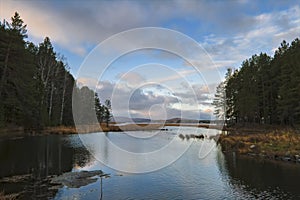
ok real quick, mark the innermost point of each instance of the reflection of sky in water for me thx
(189, 177)
(138, 155)
(166, 183)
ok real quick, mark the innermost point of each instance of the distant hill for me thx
(179, 120)
(127, 119)
(145, 120)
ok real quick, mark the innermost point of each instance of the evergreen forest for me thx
(36, 85)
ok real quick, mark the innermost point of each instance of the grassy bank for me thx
(112, 127)
(276, 144)
(13, 132)
(219, 127)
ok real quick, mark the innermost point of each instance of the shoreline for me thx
(17, 132)
(272, 143)
(278, 145)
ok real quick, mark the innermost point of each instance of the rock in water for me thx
(77, 179)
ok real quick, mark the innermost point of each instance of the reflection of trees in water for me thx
(221, 163)
(101, 189)
(259, 178)
(40, 156)
(81, 157)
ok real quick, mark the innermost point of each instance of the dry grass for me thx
(279, 143)
(100, 128)
(96, 128)
(219, 127)
(114, 127)
(60, 130)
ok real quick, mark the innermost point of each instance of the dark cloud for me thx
(70, 22)
(143, 101)
(230, 31)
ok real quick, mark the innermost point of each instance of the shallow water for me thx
(200, 172)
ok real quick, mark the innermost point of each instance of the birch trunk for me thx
(51, 93)
(51, 100)
(63, 100)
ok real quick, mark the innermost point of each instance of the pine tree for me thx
(265, 89)
(107, 112)
(35, 84)
(98, 109)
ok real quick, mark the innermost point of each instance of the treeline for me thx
(89, 109)
(35, 83)
(265, 90)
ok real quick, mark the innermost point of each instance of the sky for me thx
(157, 83)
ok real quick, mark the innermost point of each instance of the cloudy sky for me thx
(178, 79)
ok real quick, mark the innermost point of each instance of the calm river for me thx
(201, 172)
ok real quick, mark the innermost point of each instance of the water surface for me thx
(215, 176)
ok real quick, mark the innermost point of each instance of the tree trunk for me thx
(51, 100)
(63, 100)
(51, 93)
(45, 78)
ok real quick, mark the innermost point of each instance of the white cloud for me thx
(229, 31)
(75, 25)
(140, 102)
(266, 34)
(131, 78)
